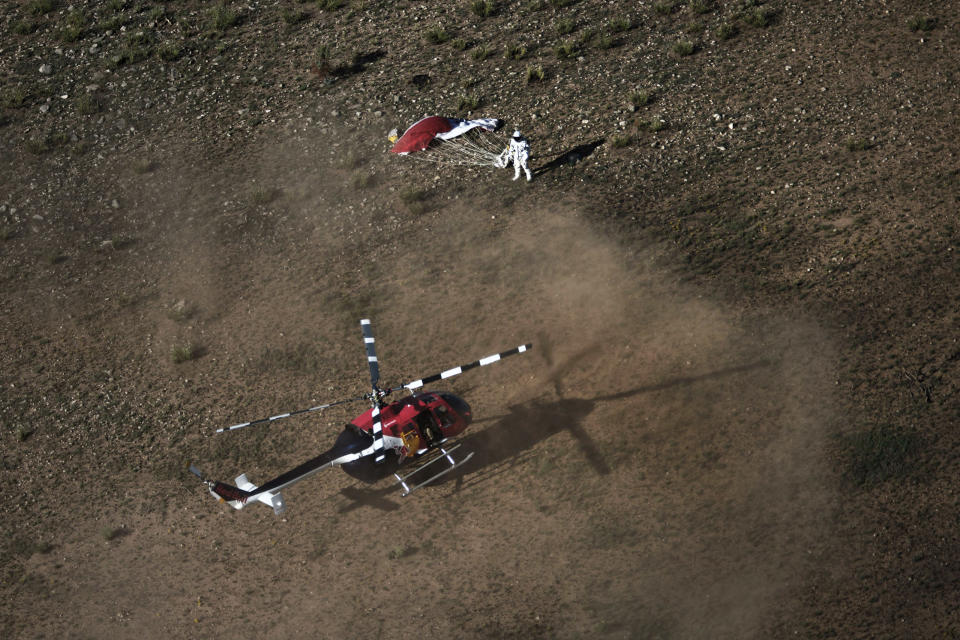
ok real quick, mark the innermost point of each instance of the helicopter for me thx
(415, 430)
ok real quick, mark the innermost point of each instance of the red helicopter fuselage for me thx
(430, 416)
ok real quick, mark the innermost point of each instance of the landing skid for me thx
(444, 455)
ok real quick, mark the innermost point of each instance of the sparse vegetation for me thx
(641, 98)
(620, 25)
(665, 7)
(41, 7)
(483, 8)
(109, 533)
(684, 48)
(759, 16)
(330, 5)
(565, 26)
(516, 52)
(699, 7)
(854, 143)
(921, 23)
(481, 53)
(437, 35)
(88, 104)
(220, 18)
(24, 27)
(621, 140)
(293, 17)
(535, 74)
(567, 49)
(726, 31)
(468, 103)
(264, 195)
(169, 51)
(144, 165)
(460, 44)
(184, 352)
(14, 98)
(72, 31)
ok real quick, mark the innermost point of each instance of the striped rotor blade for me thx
(369, 343)
(449, 373)
(377, 432)
(287, 415)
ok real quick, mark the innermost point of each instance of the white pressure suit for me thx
(519, 153)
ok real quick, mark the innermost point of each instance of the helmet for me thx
(516, 134)
(392, 136)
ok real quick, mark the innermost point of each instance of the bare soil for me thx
(738, 418)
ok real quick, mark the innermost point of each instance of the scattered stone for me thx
(46, 69)
(114, 204)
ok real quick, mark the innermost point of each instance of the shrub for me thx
(726, 31)
(24, 27)
(854, 143)
(221, 17)
(293, 16)
(468, 103)
(14, 98)
(460, 44)
(921, 23)
(665, 8)
(684, 48)
(182, 353)
(621, 140)
(759, 17)
(565, 26)
(88, 104)
(481, 53)
(567, 49)
(169, 52)
(437, 35)
(483, 8)
(699, 7)
(330, 5)
(535, 74)
(516, 52)
(42, 7)
(641, 98)
(620, 25)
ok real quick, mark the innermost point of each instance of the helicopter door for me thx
(429, 428)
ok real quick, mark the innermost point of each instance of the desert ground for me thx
(735, 263)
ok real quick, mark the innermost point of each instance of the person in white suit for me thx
(519, 153)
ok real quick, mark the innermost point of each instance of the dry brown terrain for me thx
(736, 264)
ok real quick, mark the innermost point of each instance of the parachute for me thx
(451, 141)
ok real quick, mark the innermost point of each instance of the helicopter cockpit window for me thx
(443, 416)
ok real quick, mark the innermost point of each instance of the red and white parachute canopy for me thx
(451, 140)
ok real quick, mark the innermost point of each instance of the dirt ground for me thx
(681, 455)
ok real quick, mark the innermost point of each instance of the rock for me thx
(44, 108)
(46, 69)
(114, 204)
(94, 48)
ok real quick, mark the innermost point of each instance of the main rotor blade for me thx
(369, 343)
(377, 434)
(287, 415)
(449, 373)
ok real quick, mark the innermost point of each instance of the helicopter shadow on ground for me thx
(369, 497)
(508, 441)
(570, 157)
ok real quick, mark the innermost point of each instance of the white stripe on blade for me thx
(489, 359)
